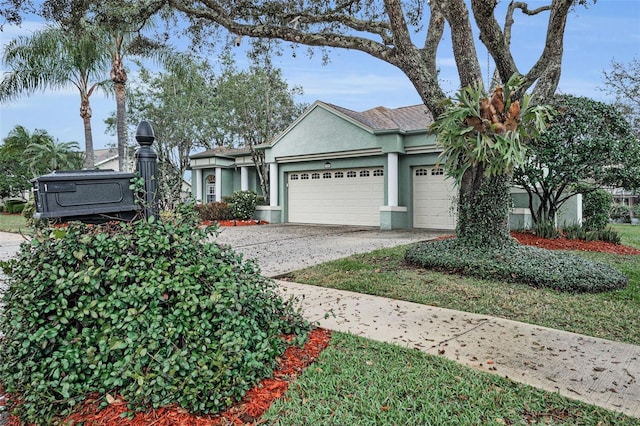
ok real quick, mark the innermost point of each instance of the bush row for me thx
(150, 311)
(523, 264)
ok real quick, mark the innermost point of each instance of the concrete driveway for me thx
(283, 248)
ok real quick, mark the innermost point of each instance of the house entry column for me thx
(392, 179)
(198, 185)
(218, 184)
(273, 184)
(244, 178)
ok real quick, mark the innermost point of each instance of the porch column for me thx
(198, 194)
(244, 178)
(392, 179)
(218, 184)
(273, 184)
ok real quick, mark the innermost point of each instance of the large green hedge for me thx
(151, 311)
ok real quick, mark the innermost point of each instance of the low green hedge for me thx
(150, 311)
(523, 264)
(14, 206)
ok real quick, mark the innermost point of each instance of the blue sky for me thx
(595, 36)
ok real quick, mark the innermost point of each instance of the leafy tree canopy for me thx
(588, 142)
(623, 81)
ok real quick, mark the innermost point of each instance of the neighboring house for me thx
(107, 159)
(332, 165)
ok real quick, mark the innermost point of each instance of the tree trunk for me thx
(483, 210)
(119, 78)
(85, 113)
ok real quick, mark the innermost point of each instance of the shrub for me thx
(14, 206)
(523, 264)
(214, 211)
(620, 212)
(596, 206)
(243, 204)
(546, 229)
(150, 311)
(609, 235)
(575, 232)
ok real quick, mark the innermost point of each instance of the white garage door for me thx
(336, 197)
(433, 199)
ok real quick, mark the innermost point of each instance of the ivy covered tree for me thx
(484, 141)
(588, 144)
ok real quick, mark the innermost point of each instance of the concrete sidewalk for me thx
(596, 371)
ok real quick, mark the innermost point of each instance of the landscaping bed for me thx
(290, 365)
(562, 243)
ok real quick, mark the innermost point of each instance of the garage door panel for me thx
(433, 199)
(346, 200)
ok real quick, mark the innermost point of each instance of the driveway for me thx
(283, 248)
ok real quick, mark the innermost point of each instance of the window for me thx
(351, 174)
(378, 172)
(294, 177)
(304, 176)
(421, 172)
(326, 175)
(437, 171)
(211, 192)
(315, 176)
(364, 173)
(339, 175)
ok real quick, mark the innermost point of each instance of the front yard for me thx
(610, 315)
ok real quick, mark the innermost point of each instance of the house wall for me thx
(310, 136)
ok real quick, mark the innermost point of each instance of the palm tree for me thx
(52, 155)
(56, 59)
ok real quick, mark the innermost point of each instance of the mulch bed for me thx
(248, 411)
(562, 243)
(235, 222)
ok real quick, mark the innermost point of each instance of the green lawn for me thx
(12, 223)
(630, 234)
(360, 382)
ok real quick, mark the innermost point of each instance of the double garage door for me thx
(354, 197)
(336, 197)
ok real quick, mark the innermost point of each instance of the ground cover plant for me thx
(361, 382)
(147, 310)
(517, 263)
(611, 314)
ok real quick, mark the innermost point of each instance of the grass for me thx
(613, 315)
(12, 223)
(630, 234)
(360, 382)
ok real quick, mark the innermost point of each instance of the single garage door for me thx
(433, 199)
(336, 197)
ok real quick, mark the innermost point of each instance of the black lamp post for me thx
(147, 166)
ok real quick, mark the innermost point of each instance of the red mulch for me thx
(236, 222)
(562, 243)
(248, 411)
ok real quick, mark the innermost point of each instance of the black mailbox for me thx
(86, 195)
